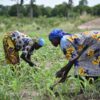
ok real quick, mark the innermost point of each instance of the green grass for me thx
(25, 83)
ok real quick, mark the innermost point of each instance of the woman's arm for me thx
(63, 72)
(27, 59)
(65, 69)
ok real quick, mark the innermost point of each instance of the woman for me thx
(17, 41)
(81, 50)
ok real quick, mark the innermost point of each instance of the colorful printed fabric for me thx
(15, 41)
(89, 62)
(11, 55)
(23, 42)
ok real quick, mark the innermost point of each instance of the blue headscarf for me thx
(57, 33)
(41, 41)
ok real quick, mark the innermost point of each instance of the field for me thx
(27, 83)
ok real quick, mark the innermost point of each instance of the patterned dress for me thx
(15, 41)
(22, 42)
(89, 62)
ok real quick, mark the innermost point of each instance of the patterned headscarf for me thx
(56, 33)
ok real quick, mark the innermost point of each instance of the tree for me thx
(70, 11)
(61, 10)
(13, 11)
(44, 11)
(31, 8)
(48, 11)
(70, 2)
(19, 7)
(80, 9)
(96, 10)
(83, 3)
(4, 10)
(21, 2)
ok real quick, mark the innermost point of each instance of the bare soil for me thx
(93, 24)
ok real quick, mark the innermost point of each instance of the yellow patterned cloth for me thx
(11, 55)
(89, 62)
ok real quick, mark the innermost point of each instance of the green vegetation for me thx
(25, 83)
(62, 10)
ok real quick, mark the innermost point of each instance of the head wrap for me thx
(56, 33)
(41, 41)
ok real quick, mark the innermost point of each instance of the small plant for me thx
(26, 82)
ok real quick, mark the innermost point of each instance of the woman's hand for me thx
(31, 64)
(60, 73)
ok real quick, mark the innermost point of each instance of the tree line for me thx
(62, 10)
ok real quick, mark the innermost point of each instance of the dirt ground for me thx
(94, 24)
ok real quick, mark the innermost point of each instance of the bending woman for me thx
(81, 50)
(14, 42)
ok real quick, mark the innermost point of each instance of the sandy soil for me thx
(94, 24)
